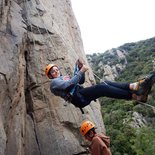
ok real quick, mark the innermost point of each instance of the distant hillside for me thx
(136, 58)
(130, 126)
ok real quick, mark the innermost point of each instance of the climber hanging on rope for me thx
(70, 89)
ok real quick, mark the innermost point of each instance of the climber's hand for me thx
(80, 63)
(84, 68)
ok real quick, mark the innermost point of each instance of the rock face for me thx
(112, 69)
(138, 120)
(32, 120)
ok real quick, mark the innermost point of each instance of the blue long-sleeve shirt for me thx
(61, 85)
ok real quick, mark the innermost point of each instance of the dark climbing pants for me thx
(108, 89)
(83, 96)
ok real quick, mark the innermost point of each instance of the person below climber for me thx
(70, 89)
(100, 143)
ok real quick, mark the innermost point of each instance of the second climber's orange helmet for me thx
(48, 67)
(86, 126)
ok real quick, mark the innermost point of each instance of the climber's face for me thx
(89, 136)
(54, 72)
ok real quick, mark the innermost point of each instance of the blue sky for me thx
(107, 24)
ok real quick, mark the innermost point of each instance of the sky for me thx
(107, 24)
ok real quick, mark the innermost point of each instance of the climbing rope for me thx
(99, 78)
(146, 104)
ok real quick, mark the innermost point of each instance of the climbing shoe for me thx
(146, 85)
(140, 98)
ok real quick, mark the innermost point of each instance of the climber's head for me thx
(87, 129)
(52, 71)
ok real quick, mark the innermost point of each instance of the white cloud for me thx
(107, 24)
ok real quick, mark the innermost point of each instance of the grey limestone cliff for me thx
(34, 33)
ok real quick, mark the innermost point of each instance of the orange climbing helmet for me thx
(48, 67)
(86, 126)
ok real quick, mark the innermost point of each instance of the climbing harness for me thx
(69, 97)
